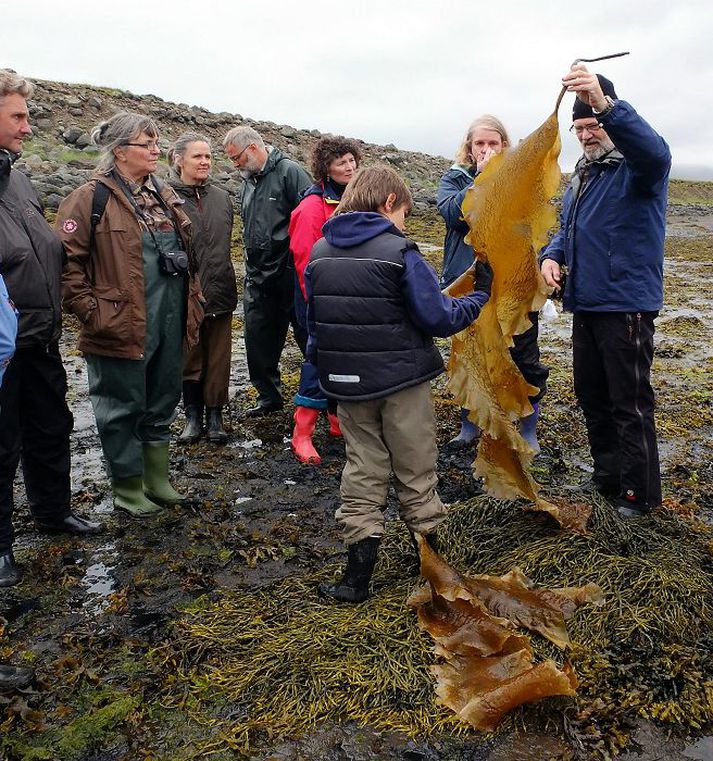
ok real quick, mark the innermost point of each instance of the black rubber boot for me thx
(354, 585)
(193, 407)
(194, 424)
(10, 571)
(214, 423)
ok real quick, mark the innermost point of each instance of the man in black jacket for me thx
(273, 186)
(35, 421)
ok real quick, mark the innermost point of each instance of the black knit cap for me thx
(581, 110)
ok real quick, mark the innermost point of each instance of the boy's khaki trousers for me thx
(394, 434)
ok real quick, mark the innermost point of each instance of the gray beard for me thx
(251, 168)
(606, 146)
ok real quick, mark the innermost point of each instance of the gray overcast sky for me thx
(409, 73)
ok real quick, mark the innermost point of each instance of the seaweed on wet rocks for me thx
(287, 662)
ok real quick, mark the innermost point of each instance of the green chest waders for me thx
(134, 400)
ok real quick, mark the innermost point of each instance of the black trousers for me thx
(613, 352)
(525, 353)
(268, 312)
(35, 424)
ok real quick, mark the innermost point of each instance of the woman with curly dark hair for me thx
(334, 161)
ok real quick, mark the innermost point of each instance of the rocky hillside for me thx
(60, 156)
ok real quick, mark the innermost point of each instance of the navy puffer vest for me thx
(367, 345)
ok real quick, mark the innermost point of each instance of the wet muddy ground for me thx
(91, 615)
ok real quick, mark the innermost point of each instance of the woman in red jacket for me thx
(334, 161)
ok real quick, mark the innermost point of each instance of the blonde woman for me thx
(486, 137)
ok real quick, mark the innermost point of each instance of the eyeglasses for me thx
(235, 159)
(588, 127)
(152, 145)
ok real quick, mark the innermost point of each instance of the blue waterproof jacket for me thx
(612, 231)
(457, 254)
(8, 328)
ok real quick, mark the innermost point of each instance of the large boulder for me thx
(72, 134)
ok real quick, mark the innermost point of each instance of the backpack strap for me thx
(99, 202)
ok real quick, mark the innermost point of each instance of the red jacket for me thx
(306, 221)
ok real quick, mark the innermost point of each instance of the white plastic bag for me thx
(549, 311)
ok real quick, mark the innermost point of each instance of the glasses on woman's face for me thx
(151, 145)
(580, 128)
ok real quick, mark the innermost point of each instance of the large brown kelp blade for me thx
(481, 691)
(509, 213)
(455, 618)
(503, 468)
(515, 598)
(488, 666)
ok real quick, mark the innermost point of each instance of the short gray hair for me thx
(178, 149)
(242, 137)
(117, 131)
(12, 84)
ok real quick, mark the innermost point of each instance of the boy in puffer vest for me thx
(374, 305)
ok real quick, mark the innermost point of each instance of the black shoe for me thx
(591, 485)
(194, 424)
(10, 571)
(214, 420)
(72, 524)
(264, 409)
(354, 585)
(628, 509)
(14, 677)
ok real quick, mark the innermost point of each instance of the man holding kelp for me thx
(611, 241)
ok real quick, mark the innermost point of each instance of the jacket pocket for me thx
(614, 264)
(110, 320)
(620, 259)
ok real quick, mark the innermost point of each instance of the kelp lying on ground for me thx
(487, 667)
(510, 214)
(280, 661)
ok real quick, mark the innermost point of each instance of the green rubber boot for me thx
(129, 496)
(156, 485)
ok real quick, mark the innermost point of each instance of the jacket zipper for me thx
(572, 222)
